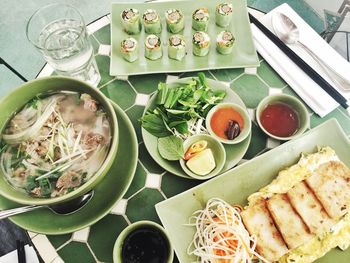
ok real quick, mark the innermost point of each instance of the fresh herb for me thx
(171, 148)
(70, 189)
(45, 187)
(178, 105)
(77, 98)
(34, 102)
(31, 183)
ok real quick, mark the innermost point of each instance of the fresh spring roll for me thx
(200, 19)
(223, 14)
(131, 21)
(174, 20)
(129, 49)
(153, 47)
(201, 43)
(177, 47)
(151, 21)
(224, 42)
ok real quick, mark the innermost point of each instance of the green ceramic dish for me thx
(237, 184)
(234, 153)
(297, 105)
(19, 97)
(242, 111)
(117, 250)
(243, 53)
(106, 193)
(218, 152)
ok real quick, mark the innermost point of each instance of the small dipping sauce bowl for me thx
(228, 122)
(143, 242)
(282, 117)
(217, 150)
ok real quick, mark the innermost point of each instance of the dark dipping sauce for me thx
(145, 245)
(280, 119)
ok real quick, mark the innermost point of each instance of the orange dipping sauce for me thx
(219, 122)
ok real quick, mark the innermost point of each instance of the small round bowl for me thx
(295, 104)
(247, 123)
(118, 246)
(218, 152)
(20, 96)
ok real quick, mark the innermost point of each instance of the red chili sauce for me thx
(280, 119)
(221, 118)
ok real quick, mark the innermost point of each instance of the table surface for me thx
(151, 183)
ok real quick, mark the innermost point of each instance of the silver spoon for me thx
(288, 32)
(65, 208)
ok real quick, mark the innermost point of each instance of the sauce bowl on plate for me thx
(228, 122)
(218, 153)
(282, 117)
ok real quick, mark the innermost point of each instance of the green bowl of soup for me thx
(59, 137)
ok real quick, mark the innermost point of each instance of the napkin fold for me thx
(312, 94)
(11, 257)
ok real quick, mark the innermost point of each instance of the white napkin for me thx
(11, 257)
(312, 94)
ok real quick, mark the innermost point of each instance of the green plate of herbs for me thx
(176, 111)
(243, 53)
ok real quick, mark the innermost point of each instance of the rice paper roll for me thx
(174, 20)
(129, 49)
(223, 14)
(151, 22)
(224, 42)
(200, 19)
(201, 43)
(131, 21)
(177, 47)
(153, 47)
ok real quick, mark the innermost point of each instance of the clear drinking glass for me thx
(59, 32)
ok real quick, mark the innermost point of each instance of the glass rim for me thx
(81, 33)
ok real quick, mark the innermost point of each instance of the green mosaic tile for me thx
(141, 206)
(227, 74)
(257, 143)
(103, 235)
(195, 74)
(251, 89)
(173, 185)
(148, 162)
(120, 92)
(135, 113)
(338, 113)
(138, 182)
(270, 76)
(103, 35)
(59, 240)
(76, 252)
(290, 91)
(147, 83)
(94, 43)
(102, 61)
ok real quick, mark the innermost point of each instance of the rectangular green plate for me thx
(243, 54)
(236, 185)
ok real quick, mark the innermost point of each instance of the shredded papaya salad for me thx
(221, 236)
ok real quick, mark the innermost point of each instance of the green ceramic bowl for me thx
(218, 152)
(247, 123)
(118, 246)
(20, 96)
(297, 105)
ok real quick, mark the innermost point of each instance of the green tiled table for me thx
(151, 183)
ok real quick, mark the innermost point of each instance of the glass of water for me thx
(59, 32)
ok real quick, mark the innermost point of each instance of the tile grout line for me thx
(91, 251)
(143, 166)
(108, 82)
(138, 191)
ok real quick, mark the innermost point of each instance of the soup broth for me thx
(55, 144)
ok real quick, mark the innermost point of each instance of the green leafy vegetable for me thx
(171, 148)
(178, 105)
